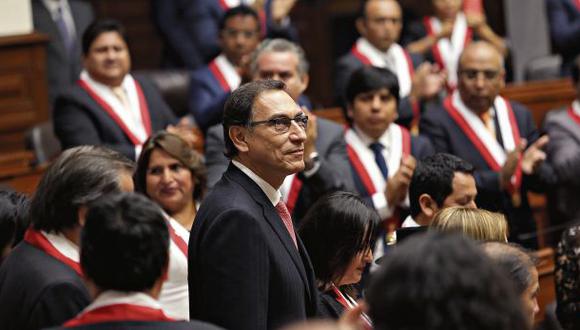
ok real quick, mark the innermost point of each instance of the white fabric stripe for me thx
(63, 245)
(505, 127)
(576, 107)
(228, 71)
(396, 55)
(112, 297)
(451, 49)
(234, 3)
(174, 297)
(285, 188)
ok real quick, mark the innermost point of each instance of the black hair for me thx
(335, 229)
(434, 176)
(241, 10)
(439, 281)
(516, 262)
(239, 106)
(13, 218)
(98, 27)
(370, 78)
(124, 243)
(77, 177)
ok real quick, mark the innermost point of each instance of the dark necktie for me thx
(287, 219)
(67, 38)
(377, 149)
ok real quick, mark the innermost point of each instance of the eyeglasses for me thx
(473, 74)
(282, 124)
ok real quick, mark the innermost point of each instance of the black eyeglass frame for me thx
(282, 124)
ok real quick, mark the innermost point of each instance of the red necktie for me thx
(287, 219)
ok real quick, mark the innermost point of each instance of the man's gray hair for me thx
(280, 46)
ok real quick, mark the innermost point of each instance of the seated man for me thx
(382, 155)
(379, 24)
(125, 285)
(108, 106)
(492, 133)
(283, 60)
(212, 84)
(41, 281)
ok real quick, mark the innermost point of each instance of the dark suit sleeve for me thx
(564, 30)
(405, 111)
(422, 148)
(58, 304)
(286, 30)
(431, 127)
(563, 152)
(215, 160)
(205, 106)
(236, 255)
(74, 127)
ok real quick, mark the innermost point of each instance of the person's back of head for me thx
(125, 243)
(441, 281)
(477, 224)
(13, 220)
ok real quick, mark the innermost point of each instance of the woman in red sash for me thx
(338, 233)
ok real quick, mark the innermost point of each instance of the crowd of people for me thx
(414, 215)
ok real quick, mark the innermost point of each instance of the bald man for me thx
(497, 136)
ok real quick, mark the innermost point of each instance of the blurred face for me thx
(382, 24)
(447, 9)
(373, 112)
(239, 37)
(168, 182)
(530, 297)
(481, 76)
(282, 66)
(107, 60)
(356, 267)
(464, 191)
(271, 152)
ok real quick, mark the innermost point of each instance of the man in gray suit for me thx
(64, 21)
(324, 148)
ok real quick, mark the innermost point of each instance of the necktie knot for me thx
(376, 147)
(287, 220)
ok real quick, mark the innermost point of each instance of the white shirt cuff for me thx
(381, 205)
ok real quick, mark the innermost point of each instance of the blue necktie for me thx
(377, 149)
(67, 38)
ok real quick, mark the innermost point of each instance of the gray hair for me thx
(280, 46)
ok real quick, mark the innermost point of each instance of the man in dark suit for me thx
(212, 84)
(108, 106)
(379, 24)
(126, 286)
(251, 270)
(40, 281)
(324, 148)
(64, 21)
(498, 137)
(564, 19)
(190, 28)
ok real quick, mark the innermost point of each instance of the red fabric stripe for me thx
(143, 108)
(219, 76)
(263, 22)
(117, 313)
(572, 114)
(515, 186)
(434, 49)
(460, 121)
(577, 3)
(354, 50)
(361, 171)
(224, 5)
(406, 141)
(181, 244)
(409, 63)
(295, 188)
(36, 239)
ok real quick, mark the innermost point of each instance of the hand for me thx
(476, 21)
(281, 9)
(428, 81)
(511, 163)
(351, 318)
(534, 156)
(398, 184)
(311, 136)
(190, 134)
(446, 30)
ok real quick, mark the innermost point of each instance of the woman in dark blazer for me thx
(338, 232)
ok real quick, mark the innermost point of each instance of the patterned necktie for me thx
(377, 149)
(287, 219)
(67, 38)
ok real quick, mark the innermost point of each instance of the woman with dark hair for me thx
(172, 174)
(338, 232)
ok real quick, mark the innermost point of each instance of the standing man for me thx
(250, 269)
(211, 85)
(497, 136)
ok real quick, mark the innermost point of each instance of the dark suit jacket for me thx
(80, 120)
(246, 271)
(329, 307)
(564, 19)
(348, 64)
(37, 290)
(206, 98)
(62, 70)
(448, 137)
(190, 30)
(332, 152)
(136, 325)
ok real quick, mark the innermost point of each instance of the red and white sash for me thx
(401, 65)
(290, 190)
(114, 306)
(574, 111)
(225, 73)
(348, 303)
(177, 237)
(39, 240)
(363, 160)
(447, 51)
(485, 143)
(137, 133)
(227, 4)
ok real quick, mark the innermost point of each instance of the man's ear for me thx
(238, 136)
(349, 112)
(82, 215)
(428, 205)
(305, 79)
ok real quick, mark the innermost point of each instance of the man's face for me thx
(373, 112)
(481, 77)
(382, 24)
(107, 60)
(282, 66)
(446, 9)
(464, 191)
(239, 37)
(274, 154)
(529, 297)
